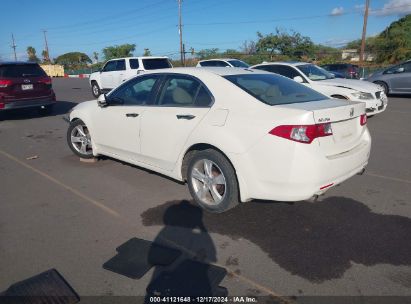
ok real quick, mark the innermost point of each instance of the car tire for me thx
(212, 181)
(46, 110)
(79, 139)
(95, 89)
(384, 85)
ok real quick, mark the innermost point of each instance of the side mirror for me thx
(102, 101)
(298, 79)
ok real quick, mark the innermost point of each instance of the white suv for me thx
(118, 70)
(324, 82)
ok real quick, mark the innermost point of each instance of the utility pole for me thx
(13, 46)
(364, 31)
(46, 46)
(180, 31)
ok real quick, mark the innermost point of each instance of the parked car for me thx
(225, 62)
(395, 80)
(348, 70)
(25, 85)
(118, 70)
(322, 81)
(232, 134)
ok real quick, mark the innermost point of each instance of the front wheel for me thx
(79, 139)
(384, 86)
(95, 90)
(212, 181)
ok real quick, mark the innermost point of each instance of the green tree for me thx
(208, 53)
(95, 56)
(119, 51)
(147, 52)
(73, 60)
(290, 44)
(31, 53)
(45, 55)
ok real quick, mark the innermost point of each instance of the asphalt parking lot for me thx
(58, 212)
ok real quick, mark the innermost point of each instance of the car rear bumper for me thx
(21, 104)
(271, 171)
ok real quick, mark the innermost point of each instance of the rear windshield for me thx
(158, 63)
(274, 90)
(238, 64)
(21, 70)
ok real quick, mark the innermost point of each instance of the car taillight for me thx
(363, 119)
(45, 80)
(302, 133)
(4, 83)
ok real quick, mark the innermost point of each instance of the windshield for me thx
(274, 89)
(314, 72)
(238, 64)
(156, 63)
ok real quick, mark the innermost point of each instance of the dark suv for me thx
(347, 70)
(25, 85)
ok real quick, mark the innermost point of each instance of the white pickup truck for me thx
(118, 70)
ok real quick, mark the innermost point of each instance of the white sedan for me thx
(232, 134)
(324, 82)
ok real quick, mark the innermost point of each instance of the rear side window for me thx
(238, 64)
(134, 64)
(121, 65)
(274, 90)
(21, 70)
(156, 63)
(180, 91)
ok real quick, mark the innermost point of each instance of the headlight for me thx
(362, 95)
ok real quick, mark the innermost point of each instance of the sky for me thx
(89, 26)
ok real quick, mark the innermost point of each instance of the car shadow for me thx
(316, 241)
(60, 108)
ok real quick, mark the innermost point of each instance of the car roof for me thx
(141, 57)
(221, 71)
(222, 59)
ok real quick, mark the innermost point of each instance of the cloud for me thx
(337, 11)
(394, 7)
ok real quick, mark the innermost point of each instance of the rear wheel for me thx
(384, 86)
(95, 89)
(79, 139)
(212, 181)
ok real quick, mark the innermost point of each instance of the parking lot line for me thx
(388, 177)
(61, 184)
(281, 299)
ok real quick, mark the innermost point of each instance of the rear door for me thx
(181, 104)
(27, 81)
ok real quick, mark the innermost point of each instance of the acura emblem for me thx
(26, 80)
(352, 112)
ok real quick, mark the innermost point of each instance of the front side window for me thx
(314, 73)
(110, 66)
(180, 91)
(274, 90)
(137, 91)
(283, 70)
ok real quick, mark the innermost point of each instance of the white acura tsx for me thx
(232, 134)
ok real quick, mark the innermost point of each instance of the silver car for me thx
(394, 80)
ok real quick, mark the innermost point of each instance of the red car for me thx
(25, 85)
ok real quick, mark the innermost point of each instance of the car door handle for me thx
(188, 117)
(131, 114)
